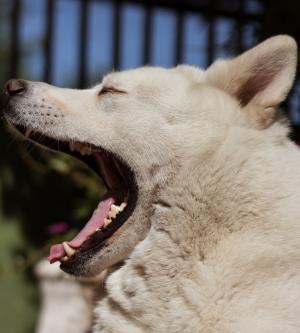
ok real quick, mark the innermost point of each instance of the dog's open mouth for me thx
(113, 209)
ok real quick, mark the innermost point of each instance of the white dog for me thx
(203, 196)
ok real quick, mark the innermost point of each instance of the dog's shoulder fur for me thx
(223, 251)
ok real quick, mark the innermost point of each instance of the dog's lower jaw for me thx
(119, 246)
(103, 256)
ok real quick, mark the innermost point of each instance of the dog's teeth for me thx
(114, 211)
(87, 151)
(27, 133)
(122, 206)
(106, 222)
(115, 208)
(82, 149)
(112, 215)
(68, 249)
(65, 258)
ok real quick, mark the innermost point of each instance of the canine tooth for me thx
(115, 208)
(87, 150)
(112, 215)
(65, 258)
(71, 145)
(83, 149)
(114, 211)
(106, 222)
(122, 206)
(68, 249)
(27, 133)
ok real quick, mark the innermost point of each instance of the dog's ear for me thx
(260, 78)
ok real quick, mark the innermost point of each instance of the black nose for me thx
(15, 87)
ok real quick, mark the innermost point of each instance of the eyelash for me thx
(110, 90)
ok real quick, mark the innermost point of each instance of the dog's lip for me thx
(97, 242)
(99, 238)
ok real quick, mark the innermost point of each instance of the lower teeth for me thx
(114, 211)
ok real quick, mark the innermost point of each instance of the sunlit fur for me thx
(214, 243)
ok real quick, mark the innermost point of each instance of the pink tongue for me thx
(57, 251)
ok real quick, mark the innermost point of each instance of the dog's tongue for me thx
(57, 251)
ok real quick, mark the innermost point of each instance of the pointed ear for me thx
(260, 77)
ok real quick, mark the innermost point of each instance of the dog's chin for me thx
(101, 242)
(92, 261)
(89, 263)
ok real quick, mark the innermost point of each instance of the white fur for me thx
(219, 248)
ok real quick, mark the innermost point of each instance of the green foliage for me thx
(18, 301)
(37, 188)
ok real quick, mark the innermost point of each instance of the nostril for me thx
(15, 87)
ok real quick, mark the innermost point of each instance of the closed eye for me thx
(110, 90)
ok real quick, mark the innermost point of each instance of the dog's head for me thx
(139, 128)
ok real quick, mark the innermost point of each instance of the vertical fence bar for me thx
(15, 39)
(116, 22)
(211, 22)
(148, 21)
(240, 28)
(210, 40)
(83, 42)
(50, 8)
(179, 35)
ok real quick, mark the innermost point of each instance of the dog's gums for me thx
(97, 223)
(113, 209)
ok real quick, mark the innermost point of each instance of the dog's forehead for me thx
(146, 76)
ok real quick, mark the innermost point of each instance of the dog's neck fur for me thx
(230, 191)
(210, 206)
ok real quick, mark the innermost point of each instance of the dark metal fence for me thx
(236, 10)
(245, 18)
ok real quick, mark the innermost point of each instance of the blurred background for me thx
(45, 196)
